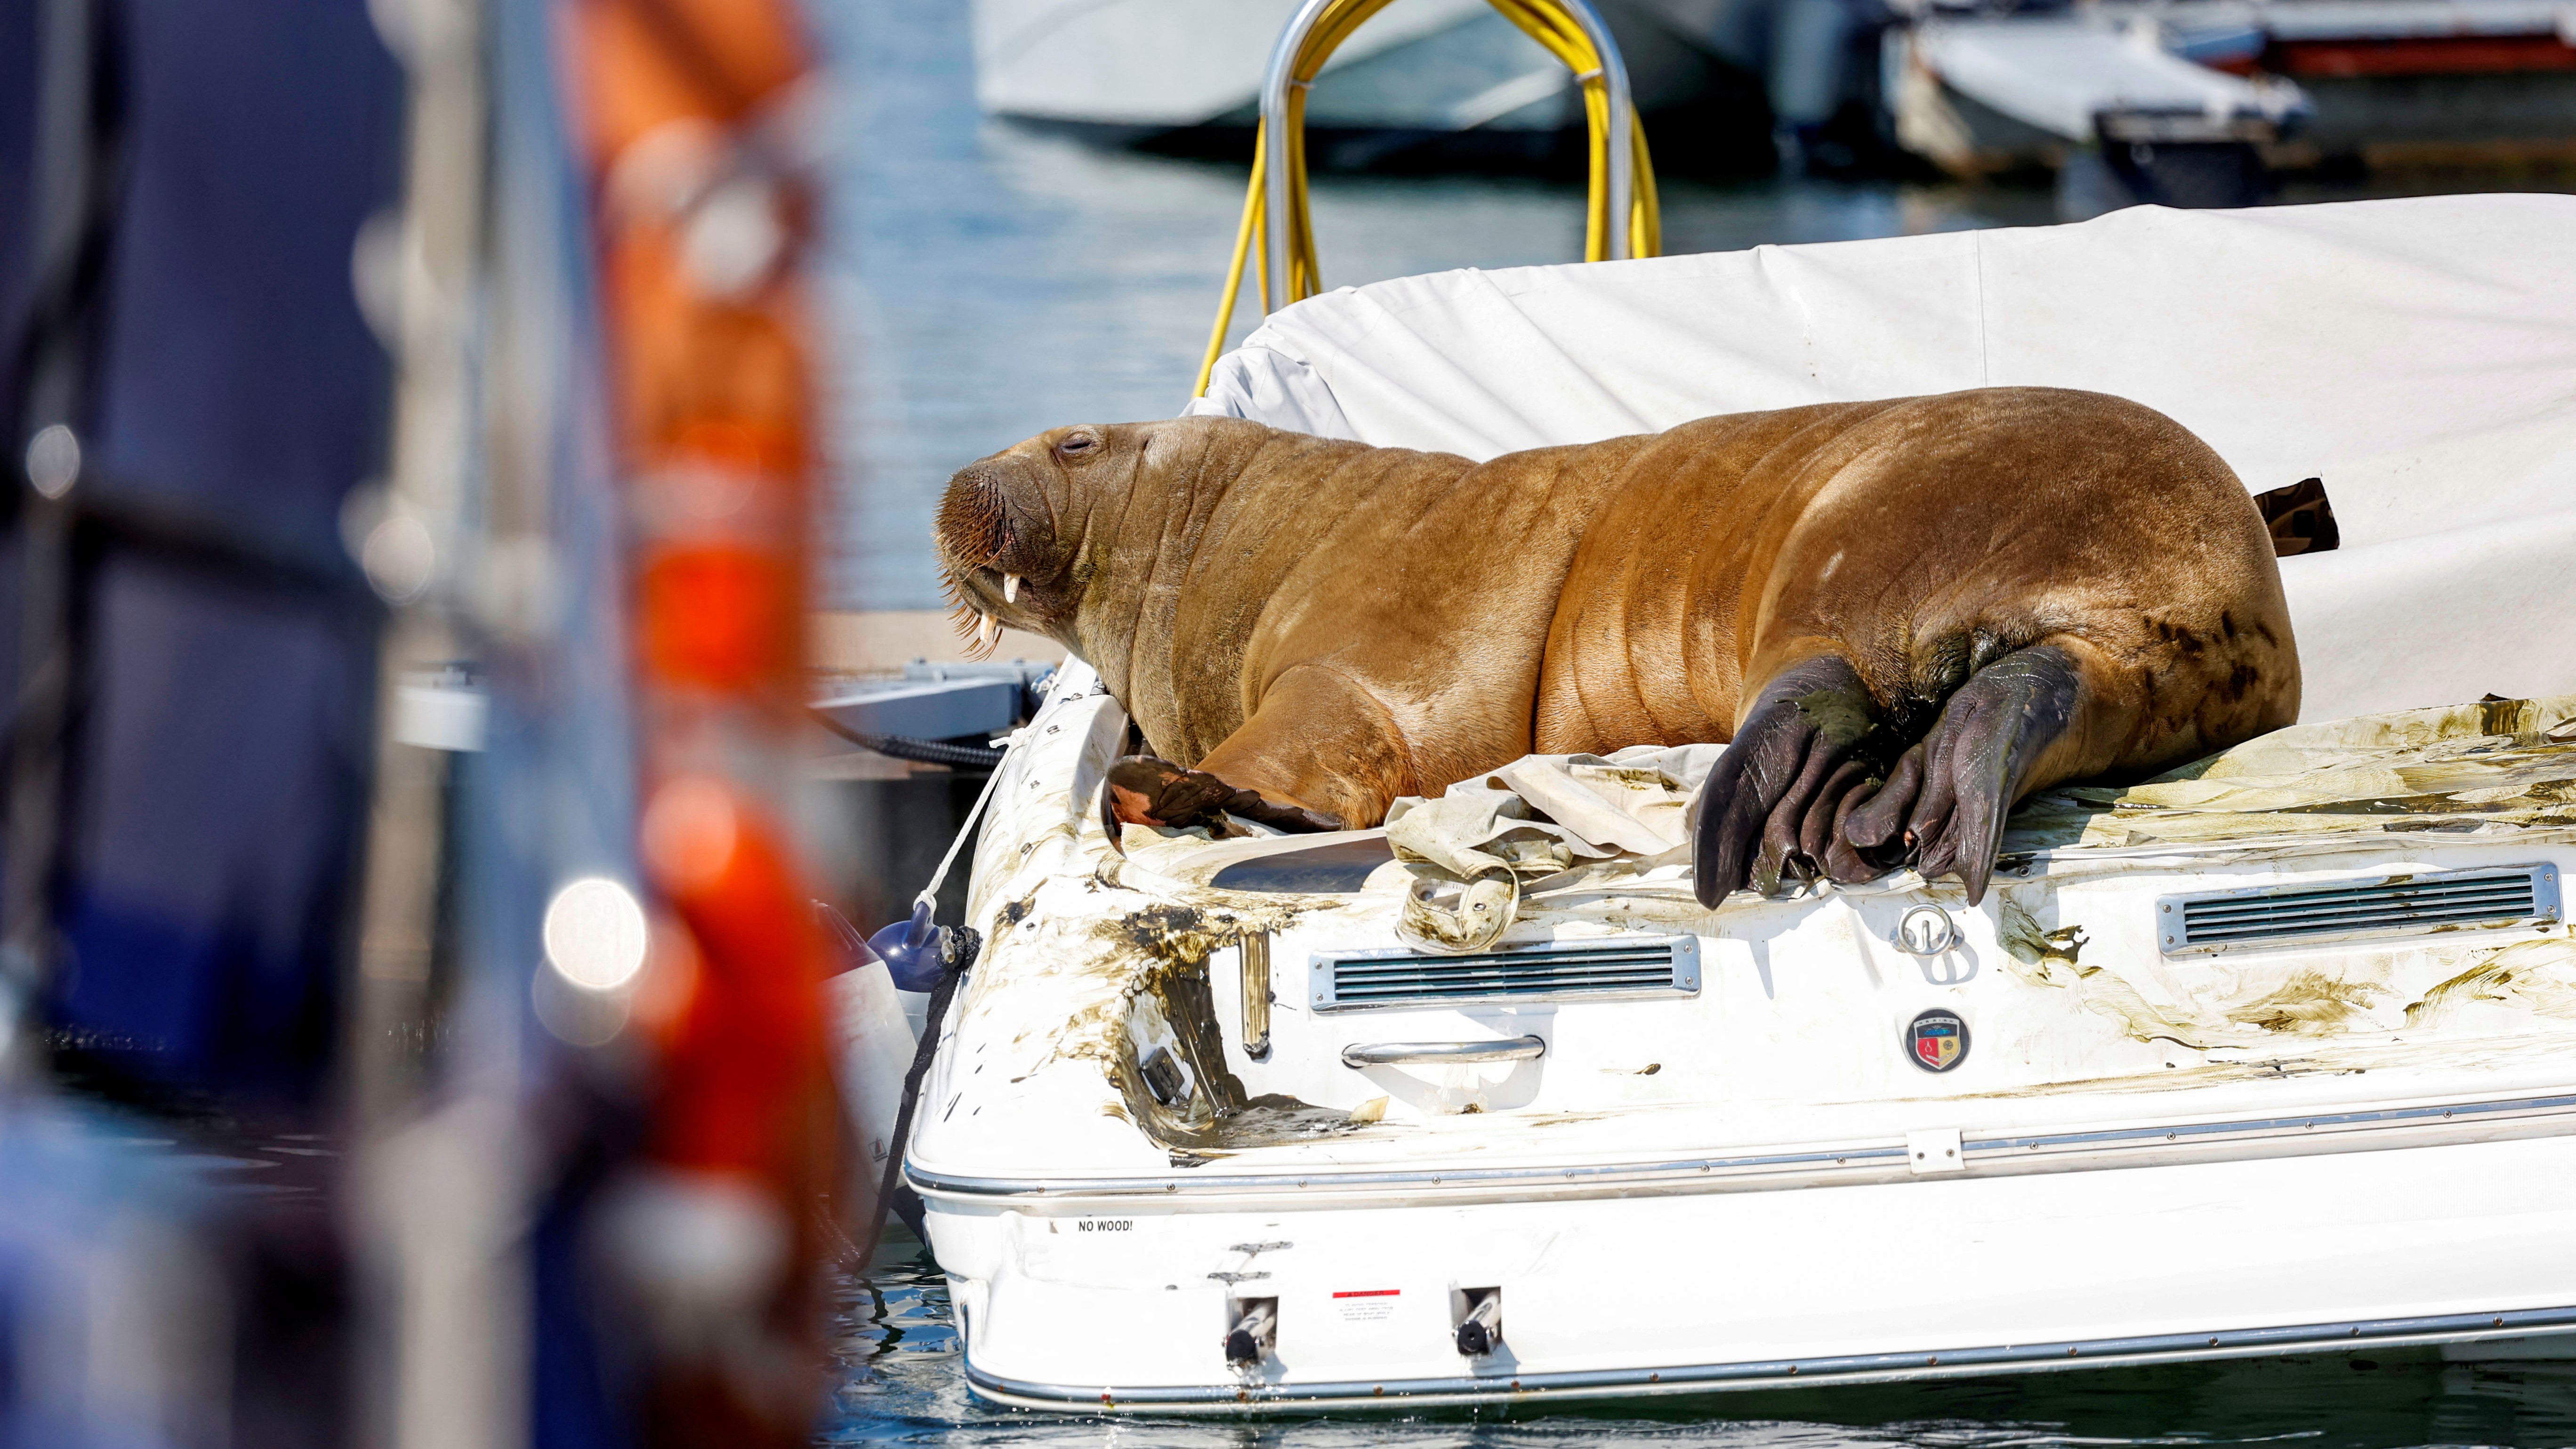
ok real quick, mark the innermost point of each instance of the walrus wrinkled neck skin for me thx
(1167, 630)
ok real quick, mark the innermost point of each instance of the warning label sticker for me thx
(1366, 1305)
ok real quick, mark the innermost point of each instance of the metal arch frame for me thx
(1276, 80)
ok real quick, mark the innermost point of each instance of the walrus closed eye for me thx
(1902, 616)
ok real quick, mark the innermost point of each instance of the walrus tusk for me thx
(1010, 588)
(988, 632)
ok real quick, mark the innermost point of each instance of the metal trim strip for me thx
(2332, 1121)
(1697, 1169)
(1777, 1373)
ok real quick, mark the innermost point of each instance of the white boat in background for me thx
(1980, 94)
(1129, 70)
(2189, 101)
(1157, 65)
(2275, 1055)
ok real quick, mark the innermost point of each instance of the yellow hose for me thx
(1545, 21)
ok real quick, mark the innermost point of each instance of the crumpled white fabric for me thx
(1541, 813)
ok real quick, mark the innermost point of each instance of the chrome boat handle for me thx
(1443, 1053)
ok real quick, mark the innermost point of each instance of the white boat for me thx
(2270, 1057)
(1988, 92)
(1136, 69)
(2189, 100)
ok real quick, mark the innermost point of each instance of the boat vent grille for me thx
(2403, 905)
(1619, 966)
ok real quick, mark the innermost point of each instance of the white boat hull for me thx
(1109, 1301)
(2198, 1151)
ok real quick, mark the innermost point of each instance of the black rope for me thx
(905, 747)
(891, 1180)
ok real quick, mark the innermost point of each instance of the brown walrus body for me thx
(1904, 615)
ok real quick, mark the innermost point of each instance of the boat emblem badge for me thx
(1936, 1041)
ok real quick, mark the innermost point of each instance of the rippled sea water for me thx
(985, 283)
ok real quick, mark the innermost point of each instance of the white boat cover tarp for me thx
(2417, 355)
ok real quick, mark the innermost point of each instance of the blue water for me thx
(987, 282)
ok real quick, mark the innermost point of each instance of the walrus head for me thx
(1075, 517)
(1011, 528)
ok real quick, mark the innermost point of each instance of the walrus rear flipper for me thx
(1950, 793)
(1792, 755)
(1797, 787)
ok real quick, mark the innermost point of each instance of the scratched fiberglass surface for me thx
(900, 1379)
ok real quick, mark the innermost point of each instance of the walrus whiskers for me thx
(973, 531)
(972, 528)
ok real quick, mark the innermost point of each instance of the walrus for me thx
(1900, 616)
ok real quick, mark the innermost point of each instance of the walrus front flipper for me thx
(1953, 790)
(1144, 790)
(1791, 758)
